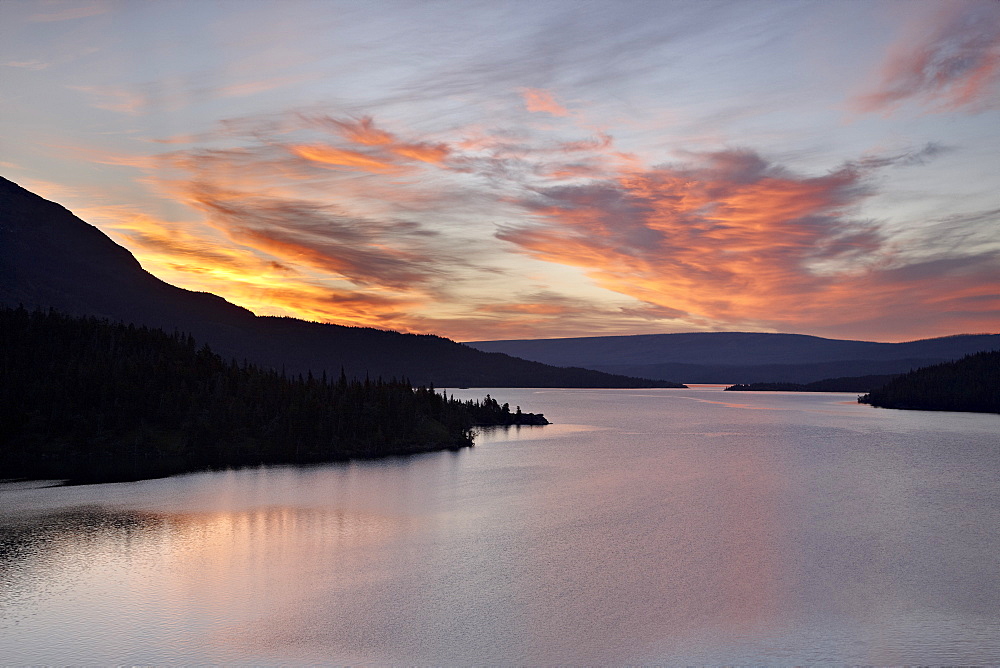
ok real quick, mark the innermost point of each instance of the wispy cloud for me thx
(537, 100)
(259, 268)
(949, 61)
(257, 86)
(549, 313)
(338, 157)
(368, 252)
(35, 65)
(363, 131)
(115, 98)
(68, 11)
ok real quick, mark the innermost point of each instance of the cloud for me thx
(269, 277)
(112, 98)
(731, 237)
(364, 132)
(34, 65)
(924, 297)
(537, 100)
(258, 86)
(343, 218)
(366, 252)
(551, 314)
(336, 157)
(327, 200)
(323, 304)
(70, 12)
(906, 158)
(949, 61)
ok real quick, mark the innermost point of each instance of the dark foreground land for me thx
(971, 384)
(89, 400)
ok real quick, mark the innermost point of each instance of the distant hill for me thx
(971, 384)
(49, 258)
(848, 384)
(742, 357)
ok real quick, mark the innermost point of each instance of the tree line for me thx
(840, 384)
(88, 399)
(970, 384)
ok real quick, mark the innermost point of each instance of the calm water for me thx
(657, 526)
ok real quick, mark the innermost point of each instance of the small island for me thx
(89, 400)
(971, 384)
(489, 413)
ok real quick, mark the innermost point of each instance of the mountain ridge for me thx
(50, 258)
(742, 357)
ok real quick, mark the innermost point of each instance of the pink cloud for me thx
(731, 237)
(948, 62)
(539, 100)
(364, 132)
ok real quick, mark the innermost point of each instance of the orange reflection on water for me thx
(200, 571)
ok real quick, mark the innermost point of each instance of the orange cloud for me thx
(263, 274)
(539, 100)
(364, 131)
(320, 303)
(328, 155)
(731, 238)
(432, 153)
(390, 254)
(950, 62)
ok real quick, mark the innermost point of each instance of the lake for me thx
(643, 526)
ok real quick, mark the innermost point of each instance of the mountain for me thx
(742, 357)
(49, 258)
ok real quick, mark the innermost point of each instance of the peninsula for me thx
(90, 400)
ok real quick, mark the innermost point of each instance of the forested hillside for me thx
(969, 384)
(87, 399)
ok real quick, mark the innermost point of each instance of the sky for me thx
(503, 170)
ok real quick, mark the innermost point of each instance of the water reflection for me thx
(192, 580)
(29, 545)
(501, 434)
(639, 528)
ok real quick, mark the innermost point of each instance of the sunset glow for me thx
(487, 171)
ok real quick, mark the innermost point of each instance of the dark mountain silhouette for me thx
(49, 258)
(740, 357)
